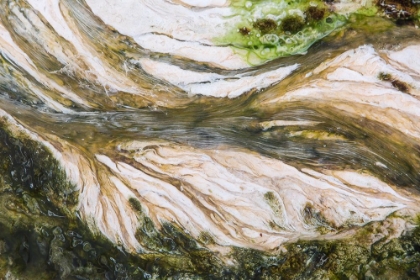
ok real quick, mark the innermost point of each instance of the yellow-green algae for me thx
(268, 29)
(271, 29)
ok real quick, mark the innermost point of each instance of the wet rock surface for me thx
(209, 139)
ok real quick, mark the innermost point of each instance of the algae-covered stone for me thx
(297, 25)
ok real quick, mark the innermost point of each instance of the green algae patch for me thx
(369, 24)
(135, 204)
(270, 29)
(265, 25)
(397, 84)
(274, 203)
(265, 30)
(292, 24)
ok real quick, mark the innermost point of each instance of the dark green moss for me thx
(269, 196)
(265, 25)
(244, 31)
(314, 13)
(274, 203)
(149, 237)
(206, 238)
(183, 240)
(292, 24)
(135, 204)
(384, 76)
(401, 86)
